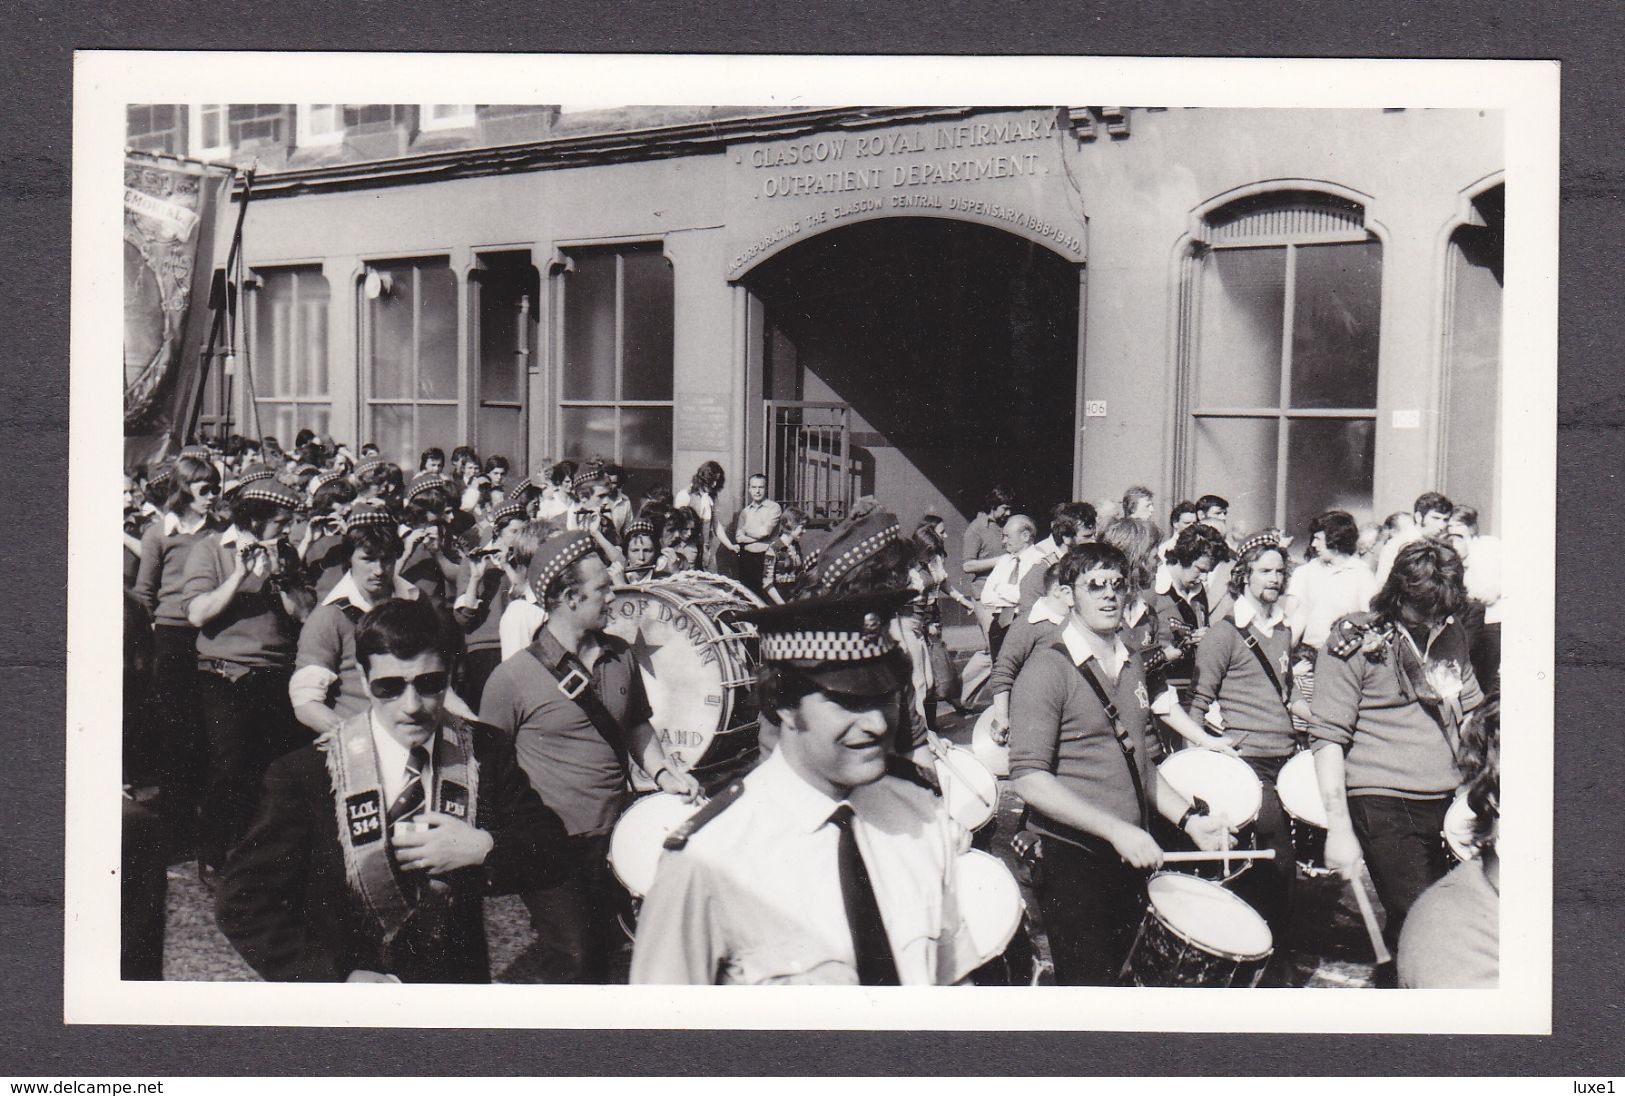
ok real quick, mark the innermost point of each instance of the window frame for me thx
(366, 400)
(1200, 245)
(254, 319)
(465, 118)
(308, 134)
(562, 268)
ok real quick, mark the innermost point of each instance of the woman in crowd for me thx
(701, 496)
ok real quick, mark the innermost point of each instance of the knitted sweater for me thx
(254, 630)
(1024, 637)
(1395, 744)
(163, 568)
(1227, 671)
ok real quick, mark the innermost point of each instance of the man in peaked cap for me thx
(573, 702)
(833, 863)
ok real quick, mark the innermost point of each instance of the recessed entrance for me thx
(919, 360)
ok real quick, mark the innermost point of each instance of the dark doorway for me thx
(954, 345)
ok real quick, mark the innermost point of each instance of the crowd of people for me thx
(361, 698)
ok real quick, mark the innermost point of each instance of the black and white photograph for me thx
(881, 523)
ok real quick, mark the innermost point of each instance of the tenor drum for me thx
(1299, 789)
(1229, 787)
(640, 836)
(1196, 933)
(699, 669)
(994, 757)
(969, 791)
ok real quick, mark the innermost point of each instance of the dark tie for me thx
(876, 967)
(410, 802)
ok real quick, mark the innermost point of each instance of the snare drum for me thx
(992, 912)
(1229, 787)
(699, 669)
(1299, 788)
(1458, 830)
(1196, 933)
(969, 791)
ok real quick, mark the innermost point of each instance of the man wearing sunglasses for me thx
(1079, 727)
(368, 860)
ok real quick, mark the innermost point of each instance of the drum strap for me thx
(577, 686)
(1124, 743)
(1269, 670)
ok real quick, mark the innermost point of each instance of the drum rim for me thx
(1151, 908)
(993, 807)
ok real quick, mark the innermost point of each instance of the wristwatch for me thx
(1197, 809)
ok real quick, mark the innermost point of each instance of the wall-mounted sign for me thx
(700, 421)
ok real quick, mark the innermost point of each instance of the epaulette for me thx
(1348, 635)
(906, 768)
(678, 838)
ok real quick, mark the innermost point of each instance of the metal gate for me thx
(809, 461)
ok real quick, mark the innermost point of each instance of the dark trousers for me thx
(476, 667)
(751, 566)
(1486, 658)
(1402, 847)
(1091, 903)
(576, 930)
(143, 889)
(1267, 885)
(995, 637)
(183, 751)
(249, 723)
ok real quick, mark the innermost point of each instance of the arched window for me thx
(1282, 307)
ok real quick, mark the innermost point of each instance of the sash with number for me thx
(358, 796)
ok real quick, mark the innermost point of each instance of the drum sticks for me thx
(1357, 884)
(1193, 855)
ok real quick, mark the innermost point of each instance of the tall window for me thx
(289, 352)
(409, 351)
(1283, 306)
(504, 311)
(616, 387)
(1472, 413)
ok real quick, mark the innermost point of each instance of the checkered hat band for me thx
(369, 516)
(369, 464)
(836, 568)
(519, 489)
(270, 492)
(826, 646)
(255, 476)
(196, 452)
(1270, 537)
(506, 512)
(428, 483)
(580, 548)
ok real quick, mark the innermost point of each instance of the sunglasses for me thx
(205, 490)
(392, 688)
(1099, 586)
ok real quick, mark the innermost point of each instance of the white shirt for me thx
(345, 589)
(1003, 589)
(1483, 562)
(519, 622)
(1326, 589)
(755, 897)
(1246, 613)
(175, 523)
(392, 758)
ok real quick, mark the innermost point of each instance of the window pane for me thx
(272, 332)
(589, 328)
(502, 435)
(437, 330)
(392, 433)
(647, 345)
(437, 427)
(390, 318)
(1239, 352)
(312, 334)
(1336, 306)
(646, 445)
(316, 416)
(277, 419)
(501, 374)
(1330, 466)
(588, 432)
(1235, 458)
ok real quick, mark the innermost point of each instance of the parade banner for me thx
(172, 213)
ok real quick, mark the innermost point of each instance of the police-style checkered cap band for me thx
(825, 645)
(553, 557)
(837, 566)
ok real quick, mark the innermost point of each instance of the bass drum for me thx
(699, 669)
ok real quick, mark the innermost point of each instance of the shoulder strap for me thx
(1124, 743)
(580, 690)
(678, 838)
(1285, 693)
